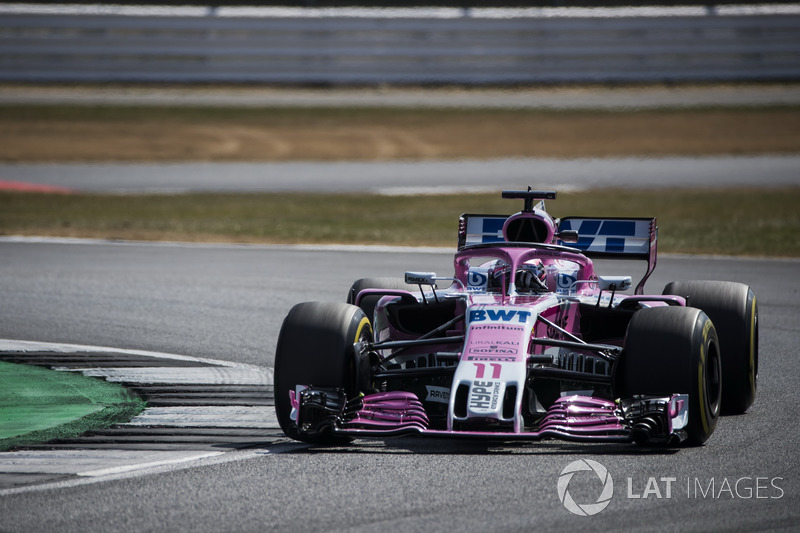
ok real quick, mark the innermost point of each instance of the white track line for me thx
(91, 463)
(151, 466)
(9, 345)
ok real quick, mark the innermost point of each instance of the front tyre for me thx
(734, 310)
(315, 347)
(368, 303)
(674, 350)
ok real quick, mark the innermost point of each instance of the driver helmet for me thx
(498, 276)
(531, 277)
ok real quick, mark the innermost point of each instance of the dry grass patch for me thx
(142, 134)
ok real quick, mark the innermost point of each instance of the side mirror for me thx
(568, 235)
(614, 283)
(421, 278)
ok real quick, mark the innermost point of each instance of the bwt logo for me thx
(566, 282)
(477, 280)
(499, 315)
(585, 509)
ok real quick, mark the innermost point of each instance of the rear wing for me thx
(616, 238)
(602, 238)
(611, 237)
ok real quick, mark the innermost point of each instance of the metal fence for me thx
(420, 46)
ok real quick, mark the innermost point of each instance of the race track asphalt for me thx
(550, 98)
(412, 177)
(227, 302)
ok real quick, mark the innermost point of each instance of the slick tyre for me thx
(674, 350)
(734, 310)
(368, 303)
(315, 347)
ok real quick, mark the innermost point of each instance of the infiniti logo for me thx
(585, 509)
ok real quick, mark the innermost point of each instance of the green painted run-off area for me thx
(39, 405)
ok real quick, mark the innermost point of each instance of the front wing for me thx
(645, 420)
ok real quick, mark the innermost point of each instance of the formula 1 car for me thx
(527, 342)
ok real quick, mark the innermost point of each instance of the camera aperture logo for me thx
(585, 509)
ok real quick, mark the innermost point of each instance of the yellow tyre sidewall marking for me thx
(701, 383)
(361, 325)
(752, 362)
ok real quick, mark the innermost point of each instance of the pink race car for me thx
(526, 341)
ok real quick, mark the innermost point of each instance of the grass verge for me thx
(740, 221)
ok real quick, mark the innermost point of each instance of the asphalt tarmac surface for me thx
(555, 98)
(414, 177)
(227, 302)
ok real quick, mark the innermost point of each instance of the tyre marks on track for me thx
(196, 409)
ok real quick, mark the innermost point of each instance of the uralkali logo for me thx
(585, 509)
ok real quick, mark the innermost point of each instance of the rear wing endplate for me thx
(480, 229)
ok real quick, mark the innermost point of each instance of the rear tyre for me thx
(734, 310)
(315, 347)
(674, 350)
(368, 303)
